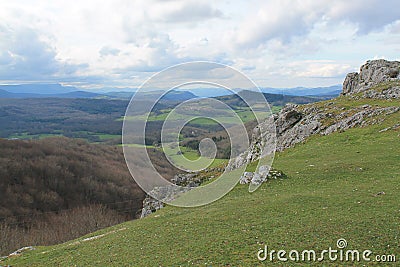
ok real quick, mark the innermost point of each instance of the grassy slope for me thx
(191, 155)
(329, 194)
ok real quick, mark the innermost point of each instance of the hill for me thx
(334, 90)
(333, 190)
(342, 182)
(38, 88)
(277, 100)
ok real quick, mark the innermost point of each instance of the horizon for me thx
(195, 89)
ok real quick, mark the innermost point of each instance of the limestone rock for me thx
(246, 178)
(373, 72)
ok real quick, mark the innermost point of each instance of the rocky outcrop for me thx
(359, 119)
(18, 252)
(301, 125)
(372, 73)
(261, 176)
(151, 205)
(294, 124)
(186, 181)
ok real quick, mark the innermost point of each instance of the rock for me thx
(185, 181)
(358, 119)
(380, 194)
(156, 198)
(150, 205)
(288, 117)
(350, 83)
(264, 170)
(20, 251)
(262, 175)
(372, 73)
(246, 178)
(258, 179)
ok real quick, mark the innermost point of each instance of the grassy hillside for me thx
(334, 190)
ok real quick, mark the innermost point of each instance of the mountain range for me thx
(62, 91)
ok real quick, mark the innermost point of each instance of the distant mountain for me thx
(5, 94)
(77, 94)
(171, 95)
(333, 90)
(74, 94)
(58, 90)
(119, 94)
(297, 91)
(179, 95)
(273, 99)
(210, 92)
(38, 88)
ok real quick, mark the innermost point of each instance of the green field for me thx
(244, 114)
(195, 160)
(31, 136)
(79, 134)
(334, 190)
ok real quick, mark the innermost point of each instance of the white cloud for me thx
(123, 42)
(109, 51)
(185, 11)
(318, 68)
(25, 56)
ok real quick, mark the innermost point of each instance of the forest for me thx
(50, 184)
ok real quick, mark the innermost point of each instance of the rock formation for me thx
(372, 73)
(295, 123)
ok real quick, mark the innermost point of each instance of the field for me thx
(345, 185)
(100, 120)
(189, 158)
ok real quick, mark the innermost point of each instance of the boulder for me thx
(372, 73)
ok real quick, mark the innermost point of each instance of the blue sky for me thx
(93, 44)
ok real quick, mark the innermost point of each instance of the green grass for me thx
(330, 193)
(244, 114)
(137, 145)
(27, 135)
(195, 162)
(104, 137)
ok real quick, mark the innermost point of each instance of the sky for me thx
(115, 44)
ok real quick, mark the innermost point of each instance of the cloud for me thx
(109, 51)
(190, 11)
(287, 19)
(368, 15)
(304, 39)
(25, 56)
(317, 69)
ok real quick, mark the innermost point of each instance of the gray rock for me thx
(246, 178)
(258, 179)
(372, 73)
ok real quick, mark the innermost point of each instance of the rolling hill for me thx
(333, 190)
(341, 163)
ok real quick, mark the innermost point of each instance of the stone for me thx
(372, 73)
(246, 178)
(257, 179)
